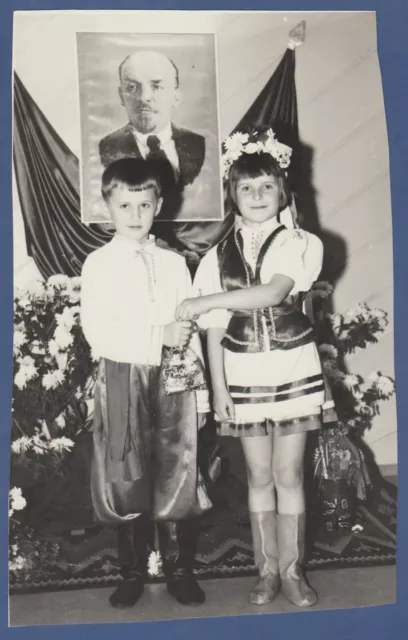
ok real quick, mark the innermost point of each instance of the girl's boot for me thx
(264, 536)
(291, 545)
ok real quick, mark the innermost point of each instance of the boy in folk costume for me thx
(145, 439)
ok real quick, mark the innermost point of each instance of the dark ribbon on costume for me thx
(279, 398)
(282, 387)
(116, 417)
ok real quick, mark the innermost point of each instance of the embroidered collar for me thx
(263, 229)
(134, 245)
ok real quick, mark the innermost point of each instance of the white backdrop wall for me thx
(341, 115)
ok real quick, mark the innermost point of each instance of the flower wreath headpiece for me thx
(239, 143)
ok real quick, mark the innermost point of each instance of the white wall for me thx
(341, 114)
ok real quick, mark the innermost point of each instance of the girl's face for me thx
(258, 199)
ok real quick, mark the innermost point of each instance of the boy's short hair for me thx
(137, 174)
(253, 165)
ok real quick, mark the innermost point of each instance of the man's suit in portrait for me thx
(190, 148)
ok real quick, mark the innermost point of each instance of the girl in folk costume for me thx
(266, 373)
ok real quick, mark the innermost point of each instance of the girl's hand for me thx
(192, 308)
(224, 406)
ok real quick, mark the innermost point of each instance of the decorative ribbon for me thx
(150, 269)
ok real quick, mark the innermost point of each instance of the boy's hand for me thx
(177, 334)
(224, 406)
(201, 420)
(192, 308)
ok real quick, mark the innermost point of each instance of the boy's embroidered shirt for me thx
(294, 253)
(129, 292)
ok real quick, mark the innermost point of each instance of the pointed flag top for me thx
(297, 35)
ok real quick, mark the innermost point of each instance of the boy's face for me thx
(133, 212)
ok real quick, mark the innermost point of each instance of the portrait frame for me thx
(196, 149)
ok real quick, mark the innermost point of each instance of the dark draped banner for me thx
(47, 176)
(276, 105)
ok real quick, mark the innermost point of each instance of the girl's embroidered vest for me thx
(284, 326)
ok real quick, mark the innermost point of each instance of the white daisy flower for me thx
(154, 563)
(53, 379)
(236, 141)
(68, 317)
(60, 421)
(384, 384)
(59, 282)
(21, 445)
(350, 381)
(61, 444)
(252, 147)
(20, 338)
(63, 338)
(18, 502)
(53, 349)
(26, 372)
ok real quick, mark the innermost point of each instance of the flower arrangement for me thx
(339, 464)
(54, 374)
(238, 143)
(357, 399)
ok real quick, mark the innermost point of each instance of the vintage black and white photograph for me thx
(204, 416)
(151, 95)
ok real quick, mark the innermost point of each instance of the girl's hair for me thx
(136, 174)
(253, 165)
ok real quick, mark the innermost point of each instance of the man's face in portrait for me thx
(149, 90)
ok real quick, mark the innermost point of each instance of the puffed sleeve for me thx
(207, 282)
(298, 255)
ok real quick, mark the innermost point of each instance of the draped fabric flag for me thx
(276, 105)
(47, 176)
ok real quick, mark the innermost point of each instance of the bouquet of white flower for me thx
(357, 399)
(339, 464)
(54, 375)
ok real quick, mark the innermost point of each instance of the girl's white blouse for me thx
(294, 253)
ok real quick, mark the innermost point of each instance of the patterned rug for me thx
(87, 557)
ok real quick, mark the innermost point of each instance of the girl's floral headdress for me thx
(239, 143)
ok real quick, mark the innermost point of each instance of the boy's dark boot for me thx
(132, 553)
(177, 548)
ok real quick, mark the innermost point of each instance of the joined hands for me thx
(192, 308)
